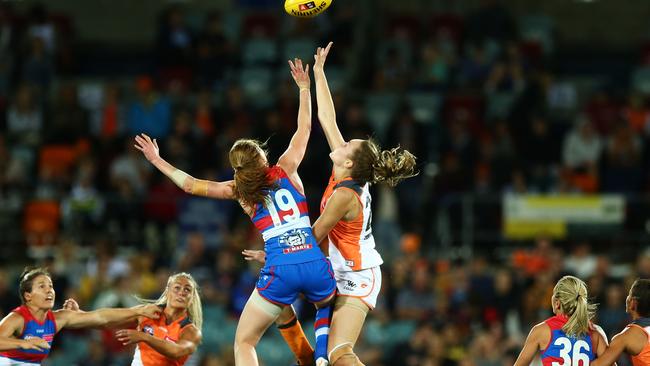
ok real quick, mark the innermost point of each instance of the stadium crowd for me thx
(474, 96)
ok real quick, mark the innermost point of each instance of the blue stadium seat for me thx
(256, 84)
(499, 105)
(380, 109)
(425, 106)
(259, 51)
(303, 48)
(538, 28)
(641, 80)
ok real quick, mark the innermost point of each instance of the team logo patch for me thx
(148, 329)
(295, 240)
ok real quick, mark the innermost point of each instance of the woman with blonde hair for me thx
(569, 337)
(172, 338)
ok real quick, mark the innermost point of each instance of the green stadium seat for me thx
(425, 106)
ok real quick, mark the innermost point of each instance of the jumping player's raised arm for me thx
(326, 112)
(187, 343)
(292, 157)
(102, 317)
(199, 187)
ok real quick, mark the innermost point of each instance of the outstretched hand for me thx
(321, 56)
(35, 343)
(152, 311)
(71, 304)
(300, 75)
(129, 336)
(254, 255)
(148, 146)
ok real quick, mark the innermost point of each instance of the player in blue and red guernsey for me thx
(569, 338)
(32, 326)
(274, 198)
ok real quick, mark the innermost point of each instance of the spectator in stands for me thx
(68, 121)
(150, 113)
(175, 39)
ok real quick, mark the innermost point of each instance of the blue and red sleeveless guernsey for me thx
(565, 350)
(31, 328)
(284, 223)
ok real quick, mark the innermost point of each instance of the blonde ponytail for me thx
(574, 304)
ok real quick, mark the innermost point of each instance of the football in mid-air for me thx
(306, 8)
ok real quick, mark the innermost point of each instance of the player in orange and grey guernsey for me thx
(346, 219)
(172, 338)
(635, 338)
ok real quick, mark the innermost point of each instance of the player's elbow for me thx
(180, 352)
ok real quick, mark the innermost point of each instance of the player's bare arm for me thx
(339, 207)
(187, 344)
(326, 111)
(534, 342)
(292, 157)
(102, 317)
(191, 185)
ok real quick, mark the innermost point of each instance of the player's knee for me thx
(347, 360)
(344, 356)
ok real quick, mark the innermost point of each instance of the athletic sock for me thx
(297, 341)
(322, 330)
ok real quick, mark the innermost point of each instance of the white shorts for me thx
(364, 284)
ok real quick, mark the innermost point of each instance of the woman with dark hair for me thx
(635, 338)
(34, 319)
(274, 199)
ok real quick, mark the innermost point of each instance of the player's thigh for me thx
(347, 321)
(257, 316)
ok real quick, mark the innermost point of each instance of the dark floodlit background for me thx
(530, 120)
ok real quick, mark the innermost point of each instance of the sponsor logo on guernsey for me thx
(295, 240)
(148, 329)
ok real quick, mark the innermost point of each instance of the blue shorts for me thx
(281, 284)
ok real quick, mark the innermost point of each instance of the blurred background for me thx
(530, 121)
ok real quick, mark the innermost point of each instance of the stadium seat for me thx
(537, 28)
(41, 222)
(405, 26)
(380, 109)
(260, 24)
(425, 106)
(499, 105)
(641, 80)
(57, 160)
(452, 24)
(256, 84)
(303, 48)
(259, 51)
